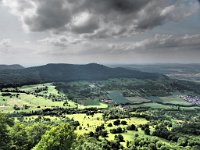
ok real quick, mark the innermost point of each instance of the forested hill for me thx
(8, 67)
(68, 72)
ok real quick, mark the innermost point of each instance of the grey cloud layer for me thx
(157, 44)
(5, 43)
(160, 42)
(60, 41)
(98, 18)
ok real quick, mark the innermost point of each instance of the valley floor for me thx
(168, 122)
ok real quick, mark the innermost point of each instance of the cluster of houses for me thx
(107, 101)
(191, 99)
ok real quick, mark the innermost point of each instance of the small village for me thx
(192, 99)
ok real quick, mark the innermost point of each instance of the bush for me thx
(196, 147)
(131, 127)
(116, 122)
(91, 134)
(119, 138)
(152, 146)
(104, 133)
(147, 131)
(118, 130)
(123, 122)
(183, 141)
(110, 125)
(15, 107)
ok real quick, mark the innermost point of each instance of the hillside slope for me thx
(8, 67)
(69, 72)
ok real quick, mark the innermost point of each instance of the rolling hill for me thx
(68, 72)
(9, 67)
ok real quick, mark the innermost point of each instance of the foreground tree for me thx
(26, 136)
(5, 122)
(60, 137)
(87, 144)
(19, 137)
(34, 133)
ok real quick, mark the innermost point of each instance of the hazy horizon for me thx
(111, 64)
(110, 32)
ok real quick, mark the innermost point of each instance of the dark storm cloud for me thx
(56, 14)
(98, 18)
(50, 14)
(121, 6)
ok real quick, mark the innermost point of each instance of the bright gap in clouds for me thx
(80, 19)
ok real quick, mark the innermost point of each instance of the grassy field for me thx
(117, 97)
(39, 102)
(168, 102)
(91, 103)
(175, 99)
(154, 105)
(35, 102)
(137, 100)
(101, 105)
(51, 89)
(89, 123)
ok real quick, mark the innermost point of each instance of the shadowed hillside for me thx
(8, 67)
(68, 72)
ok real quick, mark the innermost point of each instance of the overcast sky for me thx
(35, 32)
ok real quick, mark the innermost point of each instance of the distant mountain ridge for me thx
(68, 72)
(178, 71)
(7, 67)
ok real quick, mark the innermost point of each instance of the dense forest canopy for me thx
(68, 72)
